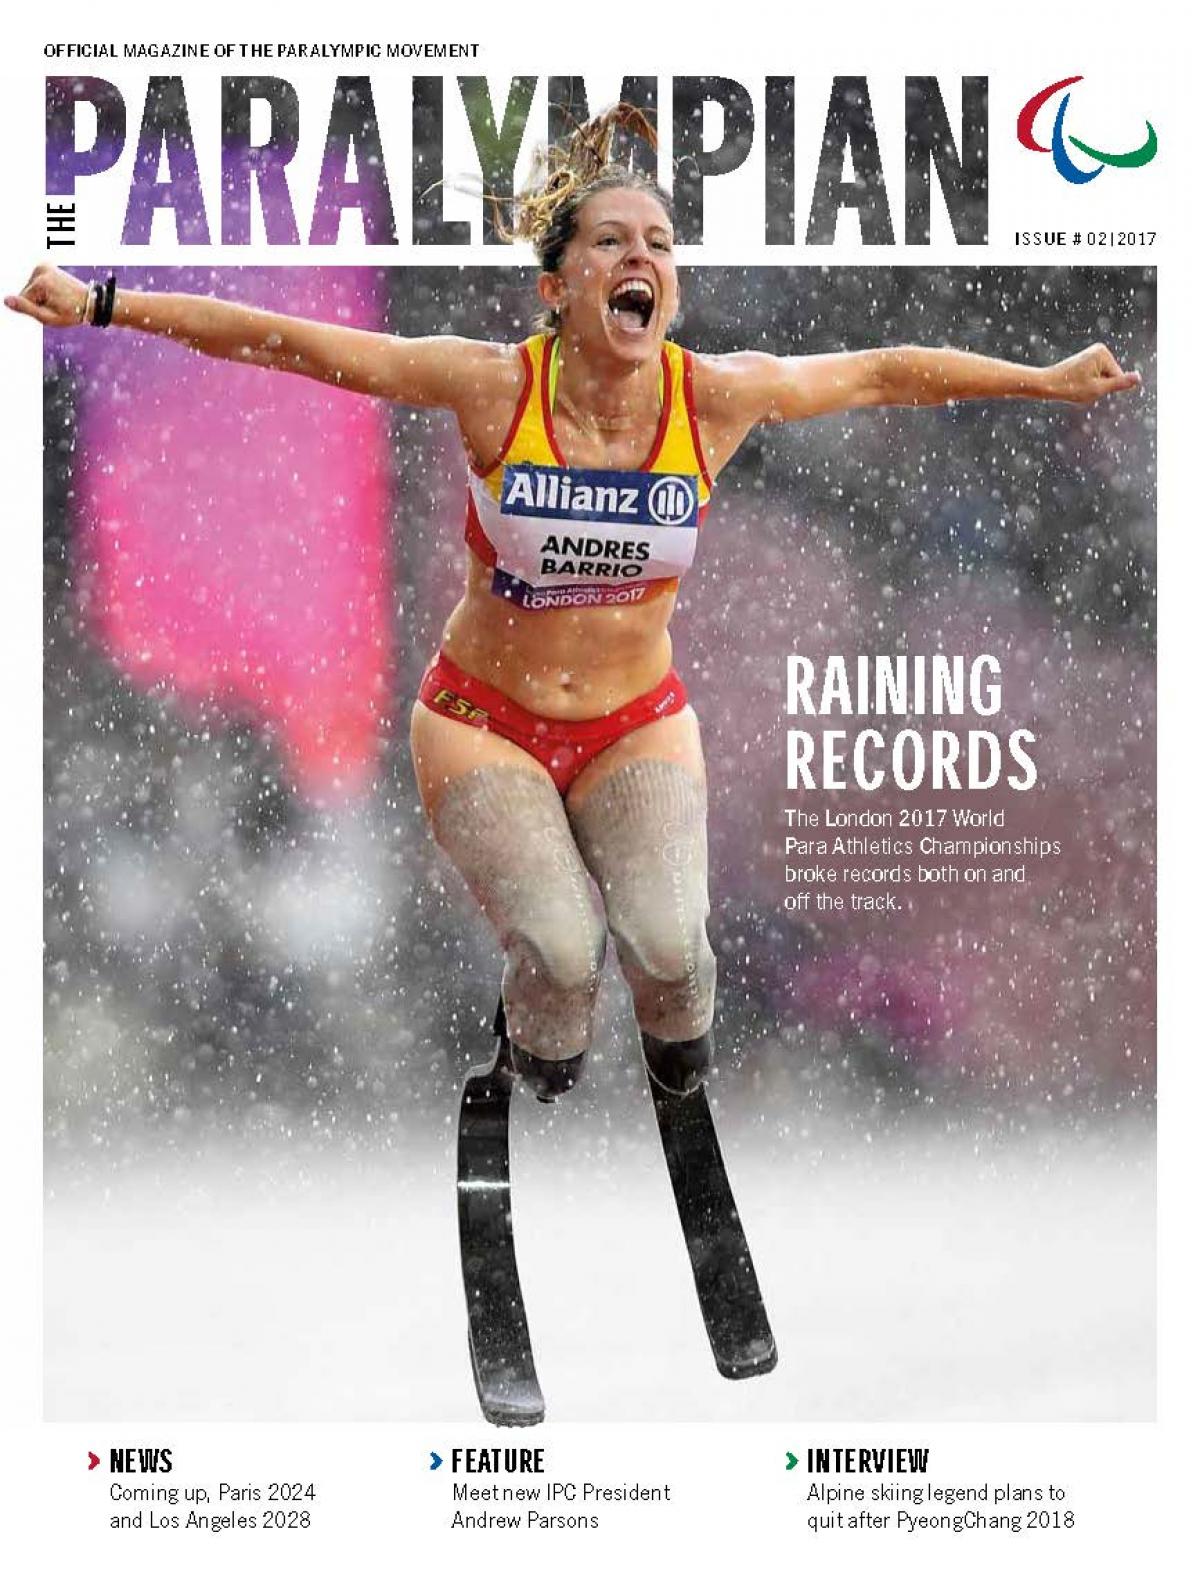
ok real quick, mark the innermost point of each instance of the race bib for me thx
(568, 538)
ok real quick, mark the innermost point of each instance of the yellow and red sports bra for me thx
(560, 536)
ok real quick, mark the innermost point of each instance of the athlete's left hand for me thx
(1087, 375)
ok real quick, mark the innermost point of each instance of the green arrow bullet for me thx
(792, 1461)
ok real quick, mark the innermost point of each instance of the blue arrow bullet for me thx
(435, 1461)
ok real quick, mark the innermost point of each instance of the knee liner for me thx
(642, 833)
(563, 951)
(507, 833)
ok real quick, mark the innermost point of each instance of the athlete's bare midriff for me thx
(559, 663)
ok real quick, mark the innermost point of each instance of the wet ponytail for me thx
(546, 213)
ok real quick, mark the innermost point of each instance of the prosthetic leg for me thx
(501, 1355)
(730, 1301)
(726, 1284)
(642, 835)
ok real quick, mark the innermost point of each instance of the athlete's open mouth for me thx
(632, 304)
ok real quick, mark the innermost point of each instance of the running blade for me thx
(501, 1355)
(730, 1300)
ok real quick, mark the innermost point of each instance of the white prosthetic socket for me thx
(507, 833)
(643, 835)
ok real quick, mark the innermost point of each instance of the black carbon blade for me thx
(730, 1301)
(501, 1354)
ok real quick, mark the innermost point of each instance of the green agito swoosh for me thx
(1129, 161)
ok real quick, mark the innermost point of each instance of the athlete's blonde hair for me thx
(567, 174)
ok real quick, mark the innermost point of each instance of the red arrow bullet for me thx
(92, 1460)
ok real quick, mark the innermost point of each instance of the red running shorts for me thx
(564, 747)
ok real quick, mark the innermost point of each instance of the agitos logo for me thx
(1058, 144)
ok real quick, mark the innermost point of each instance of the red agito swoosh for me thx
(1029, 114)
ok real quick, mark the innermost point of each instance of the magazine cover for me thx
(598, 972)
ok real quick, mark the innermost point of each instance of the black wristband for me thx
(106, 296)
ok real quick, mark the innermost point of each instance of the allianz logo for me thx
(671, 501)
(666, 499)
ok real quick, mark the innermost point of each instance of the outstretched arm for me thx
(735, 392)
(431, 371)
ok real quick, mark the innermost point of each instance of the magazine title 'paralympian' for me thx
(359, 118)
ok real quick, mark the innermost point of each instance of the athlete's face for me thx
(616, 288)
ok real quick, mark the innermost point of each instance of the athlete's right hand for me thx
(52, 297)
